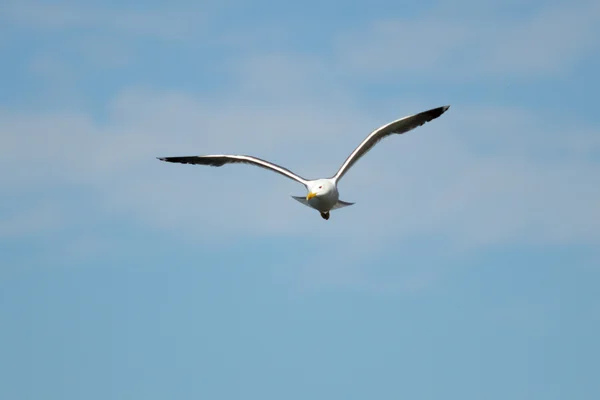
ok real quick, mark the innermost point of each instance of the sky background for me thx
(467, 269)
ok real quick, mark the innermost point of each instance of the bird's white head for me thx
(319, 188)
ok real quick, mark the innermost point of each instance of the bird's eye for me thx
(320, 187)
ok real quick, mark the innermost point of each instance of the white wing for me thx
(220, 160)
(396, 127)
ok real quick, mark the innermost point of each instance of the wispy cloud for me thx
(546, 43)
(467, 46)
(439, 179)
(480, 176)
(166, 23)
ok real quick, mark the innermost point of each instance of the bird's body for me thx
(323, 193)
(326, 194)
(325, 197)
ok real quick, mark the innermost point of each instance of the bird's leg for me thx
(325, 215)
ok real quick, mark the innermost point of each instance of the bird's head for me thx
(319, 188)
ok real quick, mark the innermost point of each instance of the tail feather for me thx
(339, 204)
(302, 200)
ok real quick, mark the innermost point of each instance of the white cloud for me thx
(393, 46)
(443, 179)
(477, 177)
(166, 23)
(548, 42)
(446, 43)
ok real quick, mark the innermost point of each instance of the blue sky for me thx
(467, 269)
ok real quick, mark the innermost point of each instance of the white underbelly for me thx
(324, 203)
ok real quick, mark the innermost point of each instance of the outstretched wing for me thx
(220, 160)
(396, 127)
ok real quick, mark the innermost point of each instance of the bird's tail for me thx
(301, 199)
(341, 204)
(337, 205)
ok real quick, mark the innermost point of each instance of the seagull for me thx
(323, 193)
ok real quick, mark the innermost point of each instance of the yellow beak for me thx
(310, 195)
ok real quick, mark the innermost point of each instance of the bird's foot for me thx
(325, 215)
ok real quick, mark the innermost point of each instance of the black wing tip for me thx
(436, 112)
(442, 109)
(167, 159)
(181, 160)
(213, 161)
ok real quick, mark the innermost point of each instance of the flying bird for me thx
(322, 194)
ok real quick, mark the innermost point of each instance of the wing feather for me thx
(222, 159)
(400, 126)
